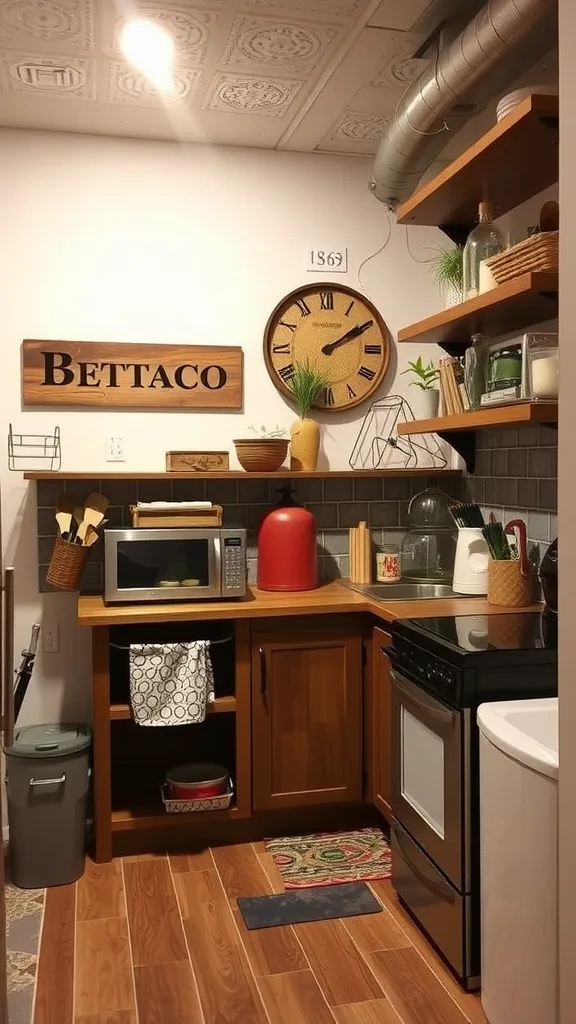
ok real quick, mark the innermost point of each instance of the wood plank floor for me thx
(159, 940)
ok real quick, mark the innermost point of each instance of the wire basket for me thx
(538, 252)
(507, 586)
(67, 565)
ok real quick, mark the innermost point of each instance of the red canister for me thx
(287, 547)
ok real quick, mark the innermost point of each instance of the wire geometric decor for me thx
(28, 453)
(378, 445)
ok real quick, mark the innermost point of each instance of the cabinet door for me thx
(306, 717)
(382, 731)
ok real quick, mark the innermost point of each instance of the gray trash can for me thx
(47, 780)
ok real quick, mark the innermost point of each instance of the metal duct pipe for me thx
(409, 145)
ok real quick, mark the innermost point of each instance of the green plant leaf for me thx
(306, 384)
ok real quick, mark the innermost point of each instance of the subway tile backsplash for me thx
(336, 504)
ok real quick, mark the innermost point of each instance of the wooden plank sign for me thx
(114, 374)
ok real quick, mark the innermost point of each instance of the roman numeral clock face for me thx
(336, 330)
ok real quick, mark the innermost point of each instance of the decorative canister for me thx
(388, 564)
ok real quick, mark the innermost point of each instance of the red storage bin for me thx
(287, 558)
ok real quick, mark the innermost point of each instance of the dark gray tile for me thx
(238, 515)
(117, 517)
(252, 544)
(490, 490)
(253, 491)
(350, 513)
(308, 490)
(548, 436)
(189, 490)
(506, 492)
(336, 542)
(538, 525)
(328, 568)
(403, 514)
(536, 552)
(530, 437)
(477, 489)
(548, 495)
(518, 462)
(554, 462)
(384, 513)
(92, 579)
(222, 492)
(527, 496)
(48, 492)
(509, 437)
(47, 525)
(483, 463)
(325, 515)
(493, 439)
(118, 492)
(338, 490)
(500, 462)
(368, 489)
(397, 488)
(344, 566)
(541, 462)
(155, 490)
(45, 549)
(482, 439)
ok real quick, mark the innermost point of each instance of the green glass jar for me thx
(505, 368)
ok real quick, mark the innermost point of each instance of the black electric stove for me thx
(467, 659)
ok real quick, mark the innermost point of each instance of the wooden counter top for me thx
(328, 598)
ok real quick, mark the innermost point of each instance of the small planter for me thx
(430, 402)
(261, 454)
(304, 445)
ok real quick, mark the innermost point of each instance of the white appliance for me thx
(471, 562)
(518, 857)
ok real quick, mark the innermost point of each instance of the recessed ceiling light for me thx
(150, 49)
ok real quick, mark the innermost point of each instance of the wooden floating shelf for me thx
(522, 414)
(518, 304)
(152, 816)
(221, 706)
(525, 140)
(281, 474)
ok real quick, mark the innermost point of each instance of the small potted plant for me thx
(426, 378)
(448, 269)
(264, 453)
(306, 385)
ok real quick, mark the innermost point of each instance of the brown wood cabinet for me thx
(381, 723)
(306, 716)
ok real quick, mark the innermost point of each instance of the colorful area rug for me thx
(330, 858)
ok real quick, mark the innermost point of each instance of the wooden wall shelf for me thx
(512, 162)
(281, 474)
(519, 415)
(518, 304)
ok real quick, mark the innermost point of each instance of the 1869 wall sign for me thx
(115, 374)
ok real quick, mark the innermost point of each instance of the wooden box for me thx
(197, 462)
(175, 517)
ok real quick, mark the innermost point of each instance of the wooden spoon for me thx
(64, 513)
(94, 510)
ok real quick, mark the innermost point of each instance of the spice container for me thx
(388, 564)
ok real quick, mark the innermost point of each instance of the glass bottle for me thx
(484, 241)
(475, 370)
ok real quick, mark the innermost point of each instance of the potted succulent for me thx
(448, 270)
(306, 385)
(426, 377)
(264, 453)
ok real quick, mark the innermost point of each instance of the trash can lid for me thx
(53, 740)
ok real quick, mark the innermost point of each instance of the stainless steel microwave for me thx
(184, 564)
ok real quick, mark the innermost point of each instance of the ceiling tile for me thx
(126, 85)
(277, 45)
(249, 94)
(402, 15)
(65, 77)
(333, 9)
(358, 126)
(56, 22)
(190, 29)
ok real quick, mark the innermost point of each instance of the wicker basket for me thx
(67, 564)
(175, 517)
(539, 252)
(507, 586)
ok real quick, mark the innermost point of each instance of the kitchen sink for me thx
(403, 591)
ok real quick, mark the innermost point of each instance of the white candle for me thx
(545, 377)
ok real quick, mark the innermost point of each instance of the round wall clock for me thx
(337, 330)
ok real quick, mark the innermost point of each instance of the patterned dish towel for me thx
(170, 684)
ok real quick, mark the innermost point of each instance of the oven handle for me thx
(416, 696)
(444, 892)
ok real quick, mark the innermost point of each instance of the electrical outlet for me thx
(50, 638)
(115, 449)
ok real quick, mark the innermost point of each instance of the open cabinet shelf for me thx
(512, 162)
(521, 414)
(153, 815)
(520, 303)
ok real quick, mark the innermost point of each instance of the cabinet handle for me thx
(262, 670)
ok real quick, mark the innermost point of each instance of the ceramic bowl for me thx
(261, 455)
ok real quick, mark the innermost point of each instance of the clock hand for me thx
(354, 332)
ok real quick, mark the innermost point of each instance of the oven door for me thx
(427, 774)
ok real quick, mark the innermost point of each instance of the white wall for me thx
(123, 240)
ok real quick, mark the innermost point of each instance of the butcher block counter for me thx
(328, 599)
(301, 718)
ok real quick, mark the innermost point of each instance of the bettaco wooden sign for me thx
(111, 374)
